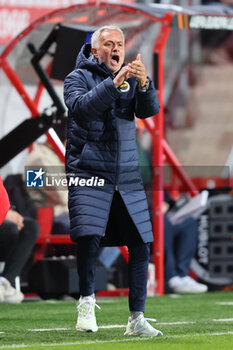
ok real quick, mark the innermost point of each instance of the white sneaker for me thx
(193, 286)
(86, 321)
(141, 327)
(175, 283)
(187, 284)
(9, 294)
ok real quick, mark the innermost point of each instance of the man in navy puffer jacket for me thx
(107, 204)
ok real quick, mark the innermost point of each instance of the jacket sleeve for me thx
(147, 102)
(86, 103)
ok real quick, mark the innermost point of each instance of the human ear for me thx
(94, 52)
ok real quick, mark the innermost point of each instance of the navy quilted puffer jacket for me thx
(101, 143)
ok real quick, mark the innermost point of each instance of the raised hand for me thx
(137, 69)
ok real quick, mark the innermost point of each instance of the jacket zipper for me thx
(108, 215)
(117, 172)
(116, 185)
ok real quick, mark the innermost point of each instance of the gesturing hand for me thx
(121, 76)
(137, 69)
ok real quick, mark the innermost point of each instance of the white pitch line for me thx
(223, 319)
(173, 323)
(51, 301)
(224, 303)
(113, 326)
(124, 326)
(199, 335)
(47, 329)
(75, 343)
(104, 327)
(106, 301)
(67, 329)
(113, 340)
(157, 323)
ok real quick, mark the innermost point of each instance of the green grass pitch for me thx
(187, 322)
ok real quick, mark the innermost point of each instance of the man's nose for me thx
(115, 46)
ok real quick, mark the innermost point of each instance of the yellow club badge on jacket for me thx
(124, 87)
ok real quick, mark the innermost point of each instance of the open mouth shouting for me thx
(115, 59)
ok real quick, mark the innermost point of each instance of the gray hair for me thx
(96, 35)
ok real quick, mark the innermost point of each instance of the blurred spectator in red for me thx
(5, 203)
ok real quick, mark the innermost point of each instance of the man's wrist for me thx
(145, 86)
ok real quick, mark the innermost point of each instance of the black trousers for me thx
(16, 246)
(120, 224)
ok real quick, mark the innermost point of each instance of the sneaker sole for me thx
(12, 301)
(190, 291)
(143, 335)
(86, 330)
